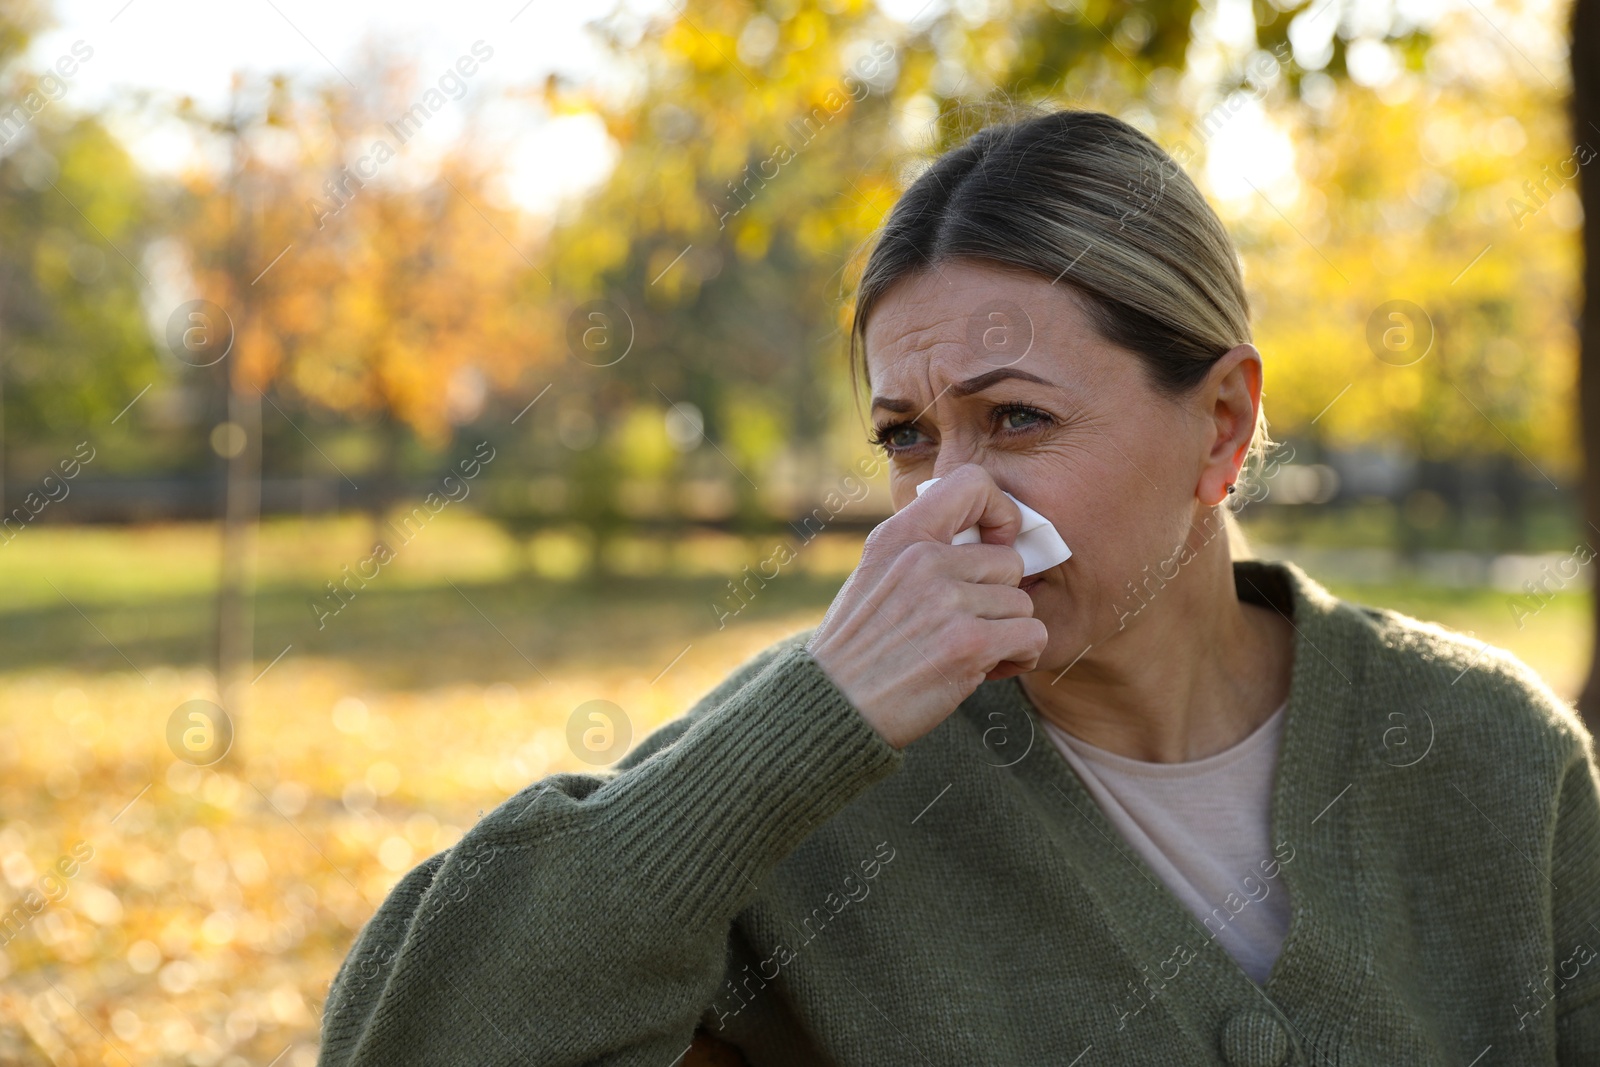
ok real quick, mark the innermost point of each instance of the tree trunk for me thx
(385, 481)
(1586, 131)
(241, 509)
(242, 488)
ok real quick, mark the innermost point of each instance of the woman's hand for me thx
(922, 622)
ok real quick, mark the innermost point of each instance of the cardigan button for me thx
(1254, 1038)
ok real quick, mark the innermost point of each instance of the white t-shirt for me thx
(1204, 827)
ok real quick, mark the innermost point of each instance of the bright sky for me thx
(194, 46)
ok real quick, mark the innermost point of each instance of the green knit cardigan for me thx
(768, 870)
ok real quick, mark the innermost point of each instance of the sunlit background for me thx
(398, 380)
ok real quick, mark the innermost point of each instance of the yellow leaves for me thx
(751, 239)
(233, 918)
(805, 30)
(668, 278)
(257, 355)
(753, 427)
(866, 203)
(707, 49)
(51, 264)
(1435, 233)
(1395, 393)
(588, 251)
(561, 101)
(643, 448)
(381, 298)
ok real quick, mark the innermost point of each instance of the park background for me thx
(599, 273)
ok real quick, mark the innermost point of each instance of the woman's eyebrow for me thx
(892, 404)
(972, 385)
(983, 381)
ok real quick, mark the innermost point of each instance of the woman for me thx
(1151, 805)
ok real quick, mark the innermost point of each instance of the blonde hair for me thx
(1084, 199)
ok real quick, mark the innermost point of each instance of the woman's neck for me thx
(1195, 674)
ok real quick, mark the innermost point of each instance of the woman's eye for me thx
(900, 437)
(1019, 418)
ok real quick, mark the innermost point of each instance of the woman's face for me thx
(973, 364)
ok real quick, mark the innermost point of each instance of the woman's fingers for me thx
(1020, 641)
(921, 622)
(966, 496)
(1028, 637)
(993, 564)
(985, 601)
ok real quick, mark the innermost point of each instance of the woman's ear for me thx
(1233, 399)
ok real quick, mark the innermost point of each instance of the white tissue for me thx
(1039, 544)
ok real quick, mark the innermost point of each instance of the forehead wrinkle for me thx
(928, 337)
(947, 371)
(938, 348)
(920, 364)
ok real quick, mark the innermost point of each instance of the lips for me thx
(1029, 584)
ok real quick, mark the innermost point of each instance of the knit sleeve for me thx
(586, 919)
(1575, 912)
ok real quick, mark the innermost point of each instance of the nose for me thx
(950, 457)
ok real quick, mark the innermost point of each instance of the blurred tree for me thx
(229, 224)
(725, 218)
(75, 214)
(356, 285)
(73, 221)
(427, 315)
(764, 142)
(1444, 289)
